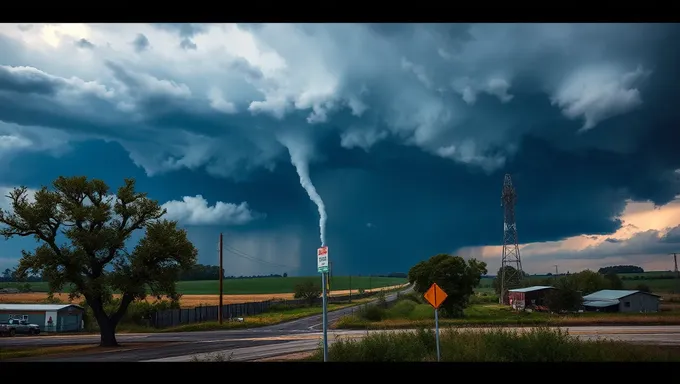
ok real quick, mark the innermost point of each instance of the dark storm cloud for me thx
(395, 193)
(141, 43)
(187, 44)
(84, 43)
(186, 32)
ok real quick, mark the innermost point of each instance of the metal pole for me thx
(350, 289)
(219, 309)
(325, 317)
(436, 328)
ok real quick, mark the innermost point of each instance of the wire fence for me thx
(230, 312)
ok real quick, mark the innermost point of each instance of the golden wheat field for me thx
(186, 301)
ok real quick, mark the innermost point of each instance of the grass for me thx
(13, 353)
(263, 285)
(410, 312)
(497, 345)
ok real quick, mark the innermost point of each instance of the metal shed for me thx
(50, 317)
(614, 300)
(531, 296)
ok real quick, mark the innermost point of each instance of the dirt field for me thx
(187, 301)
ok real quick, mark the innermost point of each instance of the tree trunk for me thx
(107, 326)
(107, 331)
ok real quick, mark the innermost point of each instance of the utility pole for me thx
(556, 272)
(330, 275)
(677, 273)
(219, 309)
(350, 288)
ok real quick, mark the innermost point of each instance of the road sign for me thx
(435, 296)
(322, 259)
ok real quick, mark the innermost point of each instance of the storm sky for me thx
(406, 131)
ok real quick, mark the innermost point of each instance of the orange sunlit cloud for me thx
(637, 217)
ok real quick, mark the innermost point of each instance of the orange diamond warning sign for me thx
(435, 296)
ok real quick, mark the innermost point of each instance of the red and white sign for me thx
(322, 259)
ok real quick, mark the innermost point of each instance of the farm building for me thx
(527, 297)
(50, 317)
(610, 300)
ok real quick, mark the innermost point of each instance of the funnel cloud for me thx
(299, 157)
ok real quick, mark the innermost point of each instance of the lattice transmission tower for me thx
(510, 257)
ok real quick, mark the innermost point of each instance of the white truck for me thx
(14, 326)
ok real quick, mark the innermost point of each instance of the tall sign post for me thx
(436, 296)
(322, 267)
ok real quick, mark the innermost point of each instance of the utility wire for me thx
(244, 255)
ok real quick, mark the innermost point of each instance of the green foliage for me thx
(498, 345)
(371, 312)
(94, 262)
(643, 288)
(454, 275)
(614, 281)
(616, 269)
(513, 279)
(565, 298)
(381, 299)
(309, 291)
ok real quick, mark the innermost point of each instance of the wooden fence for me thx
(175, 317)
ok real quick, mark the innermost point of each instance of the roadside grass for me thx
(412, 313)
(13, 353)
(498, 345)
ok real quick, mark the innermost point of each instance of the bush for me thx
(371, 313)
(402, 309)
(535, 345)
(309, 291)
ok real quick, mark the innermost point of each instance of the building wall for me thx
(34, 317)
(639, 302)
(69, 321)
(53, 326)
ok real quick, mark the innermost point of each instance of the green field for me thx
(258, 285)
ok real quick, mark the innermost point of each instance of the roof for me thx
(36, 307)
(531, 289)
(612, 294)
(600, 303)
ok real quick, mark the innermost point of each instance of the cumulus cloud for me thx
(232, 87)
(596, 94)
(191, 210)
(195, 210)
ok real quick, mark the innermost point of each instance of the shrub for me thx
(371, 313)
(535, 345)
(402, 309)
(309, 291)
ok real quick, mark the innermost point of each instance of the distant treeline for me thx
(620, 269)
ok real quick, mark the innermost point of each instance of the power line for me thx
(244, 255)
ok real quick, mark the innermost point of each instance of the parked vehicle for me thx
(6, 329)
(14, 326)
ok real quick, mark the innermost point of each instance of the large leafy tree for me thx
(82, 230)
(456, 276)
